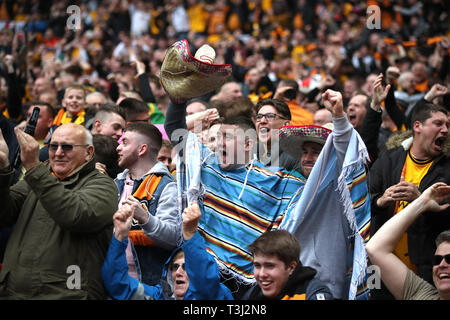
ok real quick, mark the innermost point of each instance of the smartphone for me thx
(29, 129)
(290, 94)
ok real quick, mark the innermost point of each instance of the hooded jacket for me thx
(162, 227)
(162, 224)
(200, 266)
(385, 172)
(61, 233)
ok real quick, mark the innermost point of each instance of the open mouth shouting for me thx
(264, 134)
(352, 118)
(439, 143)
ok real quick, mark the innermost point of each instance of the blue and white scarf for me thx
(331, 220)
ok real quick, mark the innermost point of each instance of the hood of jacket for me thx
(299, 279)
(404, 139)
(166, 278)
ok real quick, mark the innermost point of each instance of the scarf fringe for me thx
(345, 196)
(225, 271)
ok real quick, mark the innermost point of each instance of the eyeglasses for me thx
(175, 266)
(269, 116)
(437, 259)
(65, 146)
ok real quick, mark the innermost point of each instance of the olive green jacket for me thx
(61, 234)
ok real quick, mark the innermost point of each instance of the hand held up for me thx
(191, 216)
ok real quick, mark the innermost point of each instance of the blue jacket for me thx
(204, 277)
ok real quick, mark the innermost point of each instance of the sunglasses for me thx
(437, 259)
(269, 116)
(175, 266)
(65, 146)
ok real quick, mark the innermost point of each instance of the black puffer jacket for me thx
(385, 172)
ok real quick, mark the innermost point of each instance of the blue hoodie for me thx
(200, 265)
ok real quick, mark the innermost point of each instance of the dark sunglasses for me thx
(65, 146)
(269, 116)
(437, 259)
(175, 266)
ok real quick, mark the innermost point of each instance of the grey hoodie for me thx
(163, 226)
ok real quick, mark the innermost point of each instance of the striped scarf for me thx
(144, 194)
(62, 117)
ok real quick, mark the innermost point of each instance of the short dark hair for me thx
(278, 242)
(198, 100)
(220, 105)
(111, 108)
(290, 83)
(242, 122)
(151, 132)
(49, 107)
(106, 153)
(133, 107)
(241, 106)
(423, 112)
(279, 105)
(444, 236)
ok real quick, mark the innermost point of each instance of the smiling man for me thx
(279, 272)
(62, 217)
(400, 175)
(401, 281)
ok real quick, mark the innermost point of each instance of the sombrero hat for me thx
(292, 138)
(184, 76)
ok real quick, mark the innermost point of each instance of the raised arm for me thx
(202, 269)
(332, 100)
(372, 121)
(119, 284)
(380, 248)
(175, 120)
(142, 80)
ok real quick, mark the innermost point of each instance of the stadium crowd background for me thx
(308, 41)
